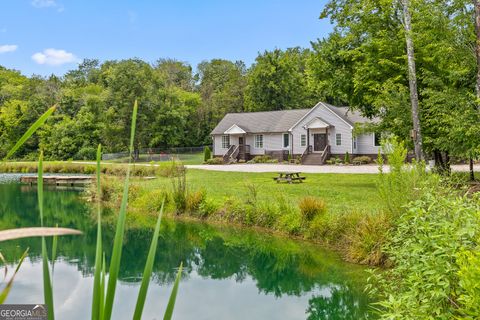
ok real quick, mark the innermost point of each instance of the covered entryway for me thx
(319, 142)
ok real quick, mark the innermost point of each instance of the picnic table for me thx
(290, 177)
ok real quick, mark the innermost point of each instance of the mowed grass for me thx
(341, 192)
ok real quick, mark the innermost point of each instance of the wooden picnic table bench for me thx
(290, 177)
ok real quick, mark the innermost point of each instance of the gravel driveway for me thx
(304, 168)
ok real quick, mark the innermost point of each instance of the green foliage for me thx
(428, 278)
(469, 280)
(346, 159)
(277, 81)
(207, 154)
(362, 160)
(310, 207)
(403, 183)
(261, 159)
(216, 160)
(179, 192)
(194, 200)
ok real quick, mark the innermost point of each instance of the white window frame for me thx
(288, 140)
(338, 139)
(259, 141)
(374, 139)
(225, 141)
(303, 140)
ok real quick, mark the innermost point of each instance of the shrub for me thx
(428, 277)
(260, 159)
(86, 153)
(216, 160)
(346, 159)
(362, 160)
(311, 207)
(207, 154)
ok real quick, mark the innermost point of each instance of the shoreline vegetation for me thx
(421, 228)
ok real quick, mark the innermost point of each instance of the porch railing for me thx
(325, 154)
(227, 155)
(305, 153)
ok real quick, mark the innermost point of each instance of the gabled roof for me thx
(235, 130)
(349, 116)
(260, 122)
(282, 121)
(316, 123)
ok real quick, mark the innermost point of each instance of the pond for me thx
(229, 273)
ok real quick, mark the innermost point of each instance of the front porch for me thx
(318, 144)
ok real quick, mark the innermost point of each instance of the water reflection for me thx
(229, 273)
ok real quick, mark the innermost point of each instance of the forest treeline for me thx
(362, 63)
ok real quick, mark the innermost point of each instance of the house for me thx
(314, 134)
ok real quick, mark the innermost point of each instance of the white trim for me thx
(338, 135)
(351, 127)
(322, 124)
(234, 130)
(306, 114)
(255, 141)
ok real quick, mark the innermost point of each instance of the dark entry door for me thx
(319, 141)
(240, 141)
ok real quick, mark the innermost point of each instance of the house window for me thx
(303, 140)
(338, 139)
(377, 139)
(286, 140)
(259, 141)
(354, 143)
(225, 142)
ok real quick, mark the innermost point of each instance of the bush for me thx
(216, 160)
(261, 159)
(311, 207)
(207, 154)
(86, 153)
(362, 160)
(428, 278)
(346, 159)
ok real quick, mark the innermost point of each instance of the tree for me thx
(412, 79)
(278, 81)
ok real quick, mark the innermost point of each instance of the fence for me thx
(184, 154)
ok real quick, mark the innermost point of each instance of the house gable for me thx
(235, 130)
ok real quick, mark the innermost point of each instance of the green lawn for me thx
(340, 191)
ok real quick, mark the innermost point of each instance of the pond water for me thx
(229, 273)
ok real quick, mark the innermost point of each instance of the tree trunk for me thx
(412, 79)
(472, 173)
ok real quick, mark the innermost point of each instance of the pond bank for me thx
(228, 272)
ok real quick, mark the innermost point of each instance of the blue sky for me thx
(51, 36)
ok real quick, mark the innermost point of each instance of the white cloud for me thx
(44, 3)
(48, 4)
(8, 48)
(54, 57)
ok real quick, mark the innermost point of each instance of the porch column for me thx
(308, 140)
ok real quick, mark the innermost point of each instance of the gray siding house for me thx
(314, 134)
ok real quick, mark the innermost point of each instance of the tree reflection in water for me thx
(278, 266)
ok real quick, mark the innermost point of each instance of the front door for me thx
(319, 142)
(240, 141)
